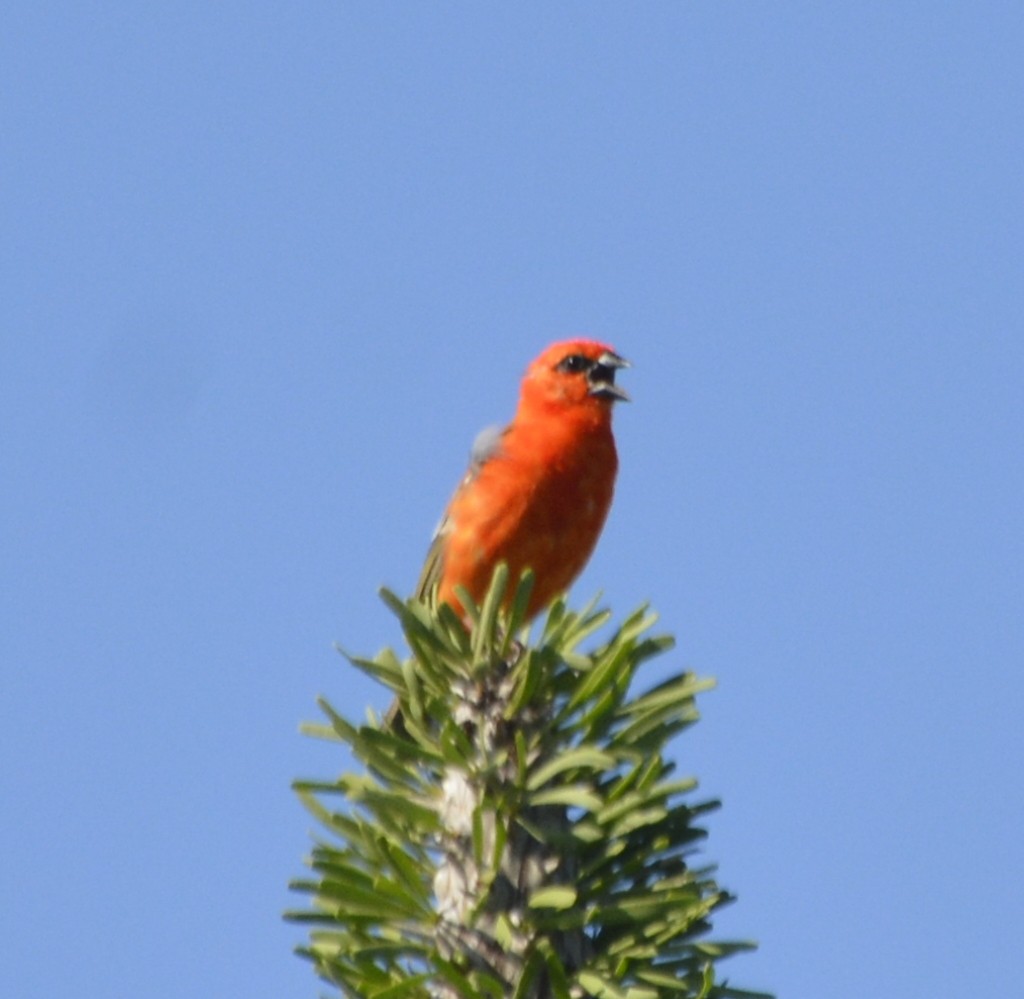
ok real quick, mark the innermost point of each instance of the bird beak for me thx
(602, 377)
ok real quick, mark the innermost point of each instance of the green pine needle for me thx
(531, 782)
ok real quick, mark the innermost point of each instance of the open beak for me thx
(601, 377)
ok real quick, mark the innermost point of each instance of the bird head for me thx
(575, 374)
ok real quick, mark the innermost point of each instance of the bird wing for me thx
(485, 446)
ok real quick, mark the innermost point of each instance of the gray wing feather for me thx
(485, 445)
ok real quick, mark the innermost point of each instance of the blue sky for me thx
(268, 268)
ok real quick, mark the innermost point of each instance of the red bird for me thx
(537, 493)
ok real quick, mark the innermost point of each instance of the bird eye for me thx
(575, 363)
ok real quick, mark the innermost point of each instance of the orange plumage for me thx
(538, 495)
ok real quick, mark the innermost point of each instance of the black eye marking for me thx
(575, 363)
